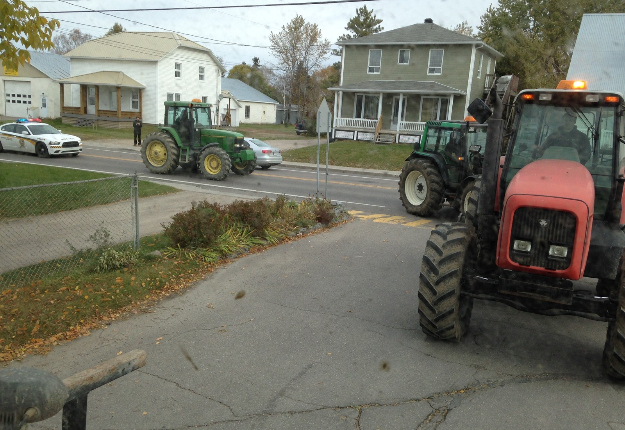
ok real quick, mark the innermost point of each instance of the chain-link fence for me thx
(45, 228)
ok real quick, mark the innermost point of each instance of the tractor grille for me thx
(240, 144)
(543, 228)
(72, 144)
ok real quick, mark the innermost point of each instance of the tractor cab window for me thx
(202, 117)
(476, 136)
(580, 133)
(448, 143)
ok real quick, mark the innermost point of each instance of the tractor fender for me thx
(172, 132)
(468, 179)
(437, 159)
(208, 145)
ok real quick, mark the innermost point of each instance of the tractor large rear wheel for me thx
(470, 200)
(214, 163)
(244, 167)
(444, 313)
(160, 153)
(421, 188)
(614, 349)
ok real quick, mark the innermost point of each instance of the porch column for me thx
(83, 100)
(399, 118)
(119, 102)
(380, 106)
(340, 104)
(62, 97)
(451, 106)
(335, 103)
(97, 100)
(141, 104)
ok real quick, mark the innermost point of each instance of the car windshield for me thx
(38, 129)
(581, 134)
(260, 143)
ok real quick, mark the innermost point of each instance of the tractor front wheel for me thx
(614, 349)
(421, 188)
(214, 163)
(244, 167)
(160, 153)
(444, 313)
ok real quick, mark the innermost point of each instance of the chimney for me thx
(428, 21)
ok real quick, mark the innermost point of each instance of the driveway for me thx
(326, 336)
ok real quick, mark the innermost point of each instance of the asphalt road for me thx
(327, 337)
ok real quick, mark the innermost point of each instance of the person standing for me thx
(137, 124)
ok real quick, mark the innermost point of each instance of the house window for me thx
(247, 112)
(204, 99)
(178, 70)
(375, 61)
(435, 64)
(201, 71)
(434, 109)
(479, 69)
(404, 56)
(366, 106)
(170, 97)
(488, 66)
(135, 100)
(177, 97)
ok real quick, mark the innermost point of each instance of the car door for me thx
(6, 136)
(22, 139)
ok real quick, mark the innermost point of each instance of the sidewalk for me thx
(282, 144)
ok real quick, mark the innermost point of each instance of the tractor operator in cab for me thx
(568, 135)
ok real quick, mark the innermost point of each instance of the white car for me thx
(38, 138)
(266, 155)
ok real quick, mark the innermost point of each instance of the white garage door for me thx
(17, 98)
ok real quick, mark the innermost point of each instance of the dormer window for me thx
(375, 61)
(435, 65)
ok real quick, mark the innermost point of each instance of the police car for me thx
(37, 137)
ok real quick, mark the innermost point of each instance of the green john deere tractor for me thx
(444, 165)
(187, 139)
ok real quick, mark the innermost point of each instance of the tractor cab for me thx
(187, 119)
(578, 126)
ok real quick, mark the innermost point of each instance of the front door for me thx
(43, 112)
(394, 116)
(90, 100)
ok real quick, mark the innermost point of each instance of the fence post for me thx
(134, 199)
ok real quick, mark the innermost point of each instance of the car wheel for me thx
(42, 150)
(265, 167)
(1, 148)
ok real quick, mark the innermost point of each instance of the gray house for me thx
(393, 82)
(599, 53)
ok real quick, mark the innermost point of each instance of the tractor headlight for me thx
(522, 245)
(558, 251)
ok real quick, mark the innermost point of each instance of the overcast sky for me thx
(239, 34)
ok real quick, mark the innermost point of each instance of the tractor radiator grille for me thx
(543, 228)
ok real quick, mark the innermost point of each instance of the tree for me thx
(63, 43)
(364, 23)
(537, 36)
(116, 28)
(22, 25)
(253, 77)
(300, 51)
(463, 28)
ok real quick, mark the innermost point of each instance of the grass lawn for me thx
(348, 153)
(19, 203)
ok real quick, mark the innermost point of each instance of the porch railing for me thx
(372, 123)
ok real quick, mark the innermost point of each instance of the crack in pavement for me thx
(189, 390)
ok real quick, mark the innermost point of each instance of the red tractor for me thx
(544, 215)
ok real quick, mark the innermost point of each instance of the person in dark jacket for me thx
(137, 124)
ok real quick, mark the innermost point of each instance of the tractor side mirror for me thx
(479, 110)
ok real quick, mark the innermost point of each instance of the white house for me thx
(599, 53)
(33, 89)
(118, 77)
(253, 106)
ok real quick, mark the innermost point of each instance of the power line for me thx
(311, 3)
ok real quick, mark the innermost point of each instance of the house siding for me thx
(260, 113)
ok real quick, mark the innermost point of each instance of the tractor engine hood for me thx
(548, 202)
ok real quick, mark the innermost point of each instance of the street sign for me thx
(323, 117)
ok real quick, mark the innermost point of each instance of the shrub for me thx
(198, 227)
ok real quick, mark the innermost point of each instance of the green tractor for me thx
(187, 139)
(443, 166)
